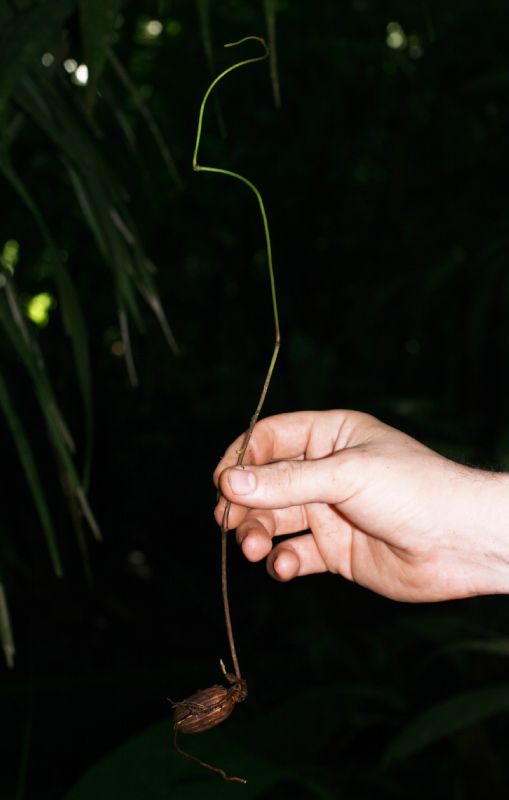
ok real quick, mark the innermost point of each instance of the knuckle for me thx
(289, 474)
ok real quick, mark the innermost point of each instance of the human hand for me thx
(379, 508)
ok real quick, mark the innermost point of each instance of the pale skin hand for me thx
(369, 503)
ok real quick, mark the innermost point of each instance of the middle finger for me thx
(259, 526)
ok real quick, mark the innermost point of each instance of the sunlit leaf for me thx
(38, 308)
(447, 718)
(10, 254)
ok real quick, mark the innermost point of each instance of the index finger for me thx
(301, 434)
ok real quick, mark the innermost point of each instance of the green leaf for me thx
(148, 767)
(126, 341)
(98, 19)
(73, 319)
(269, 7)
(100, 195)
(32, 475)
(87, 210)
(446, 719)
(74, 325)
(203, 8)
(25, 36)
(150, 294)
(6, 636)
(497, 646)
(328, 710)
(29, 353)
(147, 115)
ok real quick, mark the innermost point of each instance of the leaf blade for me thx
(98, 19)
(24, 37)
(270, 19)
(447, 718)
(6, 635)
(32, 475)
(147, 766)
(72, 314)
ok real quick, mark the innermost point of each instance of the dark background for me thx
(385, 176)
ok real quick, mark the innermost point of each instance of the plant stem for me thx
(242, 452)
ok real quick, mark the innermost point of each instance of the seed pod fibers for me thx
(207, 708)
(204, 710)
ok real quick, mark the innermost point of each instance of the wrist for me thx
(487, 528)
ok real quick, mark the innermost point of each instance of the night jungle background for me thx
(385, 172)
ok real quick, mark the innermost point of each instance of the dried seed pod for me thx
(204, 710)
(207, 708)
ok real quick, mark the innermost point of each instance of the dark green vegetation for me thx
(385, 178)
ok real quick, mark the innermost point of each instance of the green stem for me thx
(216, 81)
(277, 341)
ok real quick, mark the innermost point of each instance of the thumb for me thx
(289, 483)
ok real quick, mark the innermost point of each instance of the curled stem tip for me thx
(216, 81)
(254, 39)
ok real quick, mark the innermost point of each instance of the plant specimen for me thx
(209, 707)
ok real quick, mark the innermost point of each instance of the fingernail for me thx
(242, 481)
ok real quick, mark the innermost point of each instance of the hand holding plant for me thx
(371, 504)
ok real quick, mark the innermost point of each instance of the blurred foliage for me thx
(33, 92)
(384, 176)
(148, 770)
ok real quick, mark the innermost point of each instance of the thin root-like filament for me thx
(197, 760)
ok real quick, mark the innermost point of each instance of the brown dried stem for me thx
(240, 460)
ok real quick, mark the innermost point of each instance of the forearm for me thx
(484, 529)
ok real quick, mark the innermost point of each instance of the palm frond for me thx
(31, 473)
